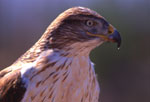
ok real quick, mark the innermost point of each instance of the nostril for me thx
(110, 32)
(110, 29)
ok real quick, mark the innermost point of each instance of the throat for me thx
(79, 48)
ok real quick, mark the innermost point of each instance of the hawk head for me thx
(80, 27)
(75, 31)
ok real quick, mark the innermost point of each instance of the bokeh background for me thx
(124, 74)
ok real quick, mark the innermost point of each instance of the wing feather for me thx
(11, 86)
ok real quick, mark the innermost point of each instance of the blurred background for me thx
(124, 74)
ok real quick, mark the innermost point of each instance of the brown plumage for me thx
(57, 68)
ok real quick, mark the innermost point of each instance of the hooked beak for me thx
(113, 36)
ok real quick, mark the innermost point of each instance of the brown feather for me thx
(11, 86)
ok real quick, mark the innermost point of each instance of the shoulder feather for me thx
(11, 86)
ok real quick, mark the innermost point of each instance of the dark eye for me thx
(89, 23)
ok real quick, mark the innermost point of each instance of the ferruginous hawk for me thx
(58, 68)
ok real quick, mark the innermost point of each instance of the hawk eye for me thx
(89, 23)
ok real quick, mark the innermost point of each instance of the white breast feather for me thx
(77, 83)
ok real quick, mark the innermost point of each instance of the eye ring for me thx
(89, 23)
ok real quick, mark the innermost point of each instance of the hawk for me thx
(58, 68)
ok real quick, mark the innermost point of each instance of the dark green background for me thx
(124, 75)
